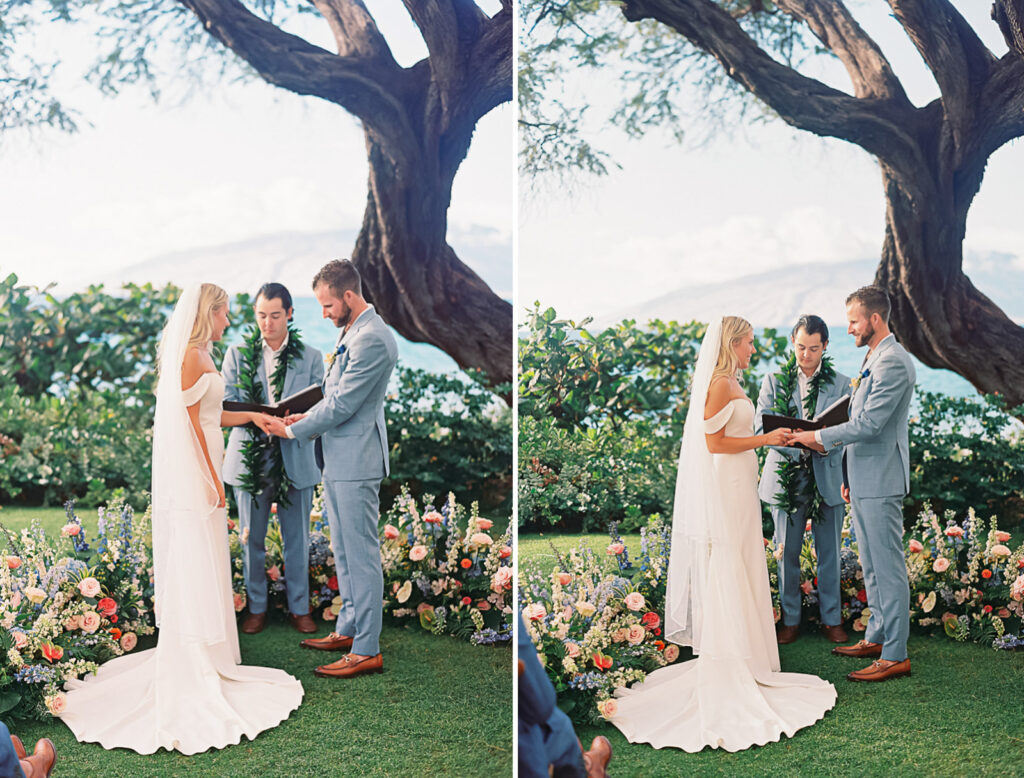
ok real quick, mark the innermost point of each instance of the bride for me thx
(732, 695)
(190, 693)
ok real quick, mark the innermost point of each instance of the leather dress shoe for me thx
(881, 670)
(347, 667)
(40, 764)
(835, 634)
(596, 759)
(787, 634)
(303, 623)
(19, 747)
(860, 649)
(253, 623)
(332, 642)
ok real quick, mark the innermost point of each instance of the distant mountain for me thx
(293, 258)
(777, 298)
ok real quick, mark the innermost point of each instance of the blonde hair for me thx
(734, 329)
(211, 297)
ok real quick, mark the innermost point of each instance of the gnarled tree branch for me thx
(355, 31)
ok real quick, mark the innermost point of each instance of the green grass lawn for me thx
(442, 707)
(961, 713)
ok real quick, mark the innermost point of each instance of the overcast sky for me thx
(241, 161)
(752, 200)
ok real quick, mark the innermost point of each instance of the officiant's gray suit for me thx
(878, 464)
(354, 438)
(789, 528)
(254, 515)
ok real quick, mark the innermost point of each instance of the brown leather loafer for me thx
(42, 760)
(19, 747)
(596, 759)
(835, 634)
(860, 649)
(332, 642)
(253, 623)
(787, 634)
(303, 623)
(881, 670)
(347, 667)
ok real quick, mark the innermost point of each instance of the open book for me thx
(300, 402)
(837, 413)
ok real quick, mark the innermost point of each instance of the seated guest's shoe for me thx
(253, 623)
(40, 764)
(881, 670)
(19, 747)
(596, 759)
(349, 667)
(787, 634)
(303, 623)
(332, 642)
(860, 649)
(835, 634)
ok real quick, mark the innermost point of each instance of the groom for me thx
(284, 468)
(878, 463)
(805, 387)
(350, 423)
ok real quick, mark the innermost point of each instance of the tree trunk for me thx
(413, 276)
(937, 313)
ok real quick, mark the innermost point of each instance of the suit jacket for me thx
(297, 455)
(876, 437)
(827, 468)
(350, 418)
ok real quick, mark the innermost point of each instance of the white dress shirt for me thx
(271, 357)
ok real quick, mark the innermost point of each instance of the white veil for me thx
(697, 512)
(184, 497)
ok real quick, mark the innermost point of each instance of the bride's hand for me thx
(262, 421)
(221, 497)
(778, 437)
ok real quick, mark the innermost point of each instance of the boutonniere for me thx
(331, 357)
(855, 381)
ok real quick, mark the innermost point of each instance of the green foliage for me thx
(447, 433)
(965, 453)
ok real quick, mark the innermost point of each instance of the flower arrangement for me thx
(66, 606)
(597, 630)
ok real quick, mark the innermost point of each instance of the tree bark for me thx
(418, 123)
(932, 158)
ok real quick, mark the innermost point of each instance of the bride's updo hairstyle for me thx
(734, 329)
(211, 297)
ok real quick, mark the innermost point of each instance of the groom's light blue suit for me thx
(878, 464)
(789, 529)
(353, 434)
(254, 515)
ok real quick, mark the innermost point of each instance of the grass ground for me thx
(961, 713)
(442, 707)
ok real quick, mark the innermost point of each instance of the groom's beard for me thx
(865, 337)
(344, 317)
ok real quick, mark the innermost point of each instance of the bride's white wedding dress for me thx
(732, 695)
(189, 693)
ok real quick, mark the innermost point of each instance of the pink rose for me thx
(72, 623)
(608, 708)
(417, 552)
(671, 652)
(484, 524)
(89, 587)
(505, 552)
(915, 546)
(940, 565)
(1002, 537)
(433, 517)
(57, 703)
(274, 573)
(20, 640)
(502, 579)
(620, 635)
(1000, 550)
(807, 587)
(70, 530)
(636, 634)
(128, 641)
(564, 579)
(634, 601)
(90, 621)
(573, 649)
(13, 562)
(481, 539)
(616, 548)
(534, 612)
(239, 600)
(955, 532)
(390, 532)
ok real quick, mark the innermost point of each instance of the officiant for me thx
(801, 485)
(272, 363)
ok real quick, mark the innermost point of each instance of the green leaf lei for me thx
(796, 479)
(259, 446)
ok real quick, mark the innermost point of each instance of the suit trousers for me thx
(352, 514)
(878, 527)
(294, 522)
(789, 532)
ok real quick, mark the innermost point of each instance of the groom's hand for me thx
(806, 438)
(291, 418)
(276, 426)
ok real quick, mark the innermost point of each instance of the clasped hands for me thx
(274, 425)
(788, 437)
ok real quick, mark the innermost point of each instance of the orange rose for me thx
(466, 564)
(986, 573)
(115, 633)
